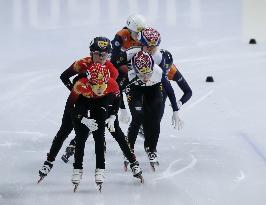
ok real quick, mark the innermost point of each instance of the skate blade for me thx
(141, 178)
(153, 165)
(99, 186)
(75, 187)
(125, 165)
(40, 179)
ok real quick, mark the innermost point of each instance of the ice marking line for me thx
(200, 99)
(253, 146)
(168, 173)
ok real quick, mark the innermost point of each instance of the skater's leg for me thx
(81, 136)
(153, 103)
(121, 139)
(135, 106)
(62, 134)
(99, 114)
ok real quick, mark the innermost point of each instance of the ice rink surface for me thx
(218, 158)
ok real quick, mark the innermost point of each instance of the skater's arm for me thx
(176, 76)
(66, 75)
(77, 67)
(117, 43)
(79, 76)
(122, 103)
(170, 92)
(116, 104)
(113, 71)
(115, 95)
(119, 59)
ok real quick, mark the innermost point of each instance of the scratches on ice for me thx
(22, 133)
(7, 144)
(171, 172)
(33, 136)
(241, 176)
(14, 138)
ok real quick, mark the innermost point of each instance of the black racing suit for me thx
(67, 127)
(145, 103)
(98, 110)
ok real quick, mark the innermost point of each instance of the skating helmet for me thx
(101, 45)
(149, 37)
(143, 63)
(98, 76)
(136, 23)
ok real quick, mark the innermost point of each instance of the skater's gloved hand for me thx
(176, 121)
(124, 116)
(110, 122)
(179, 104)
(90, 123)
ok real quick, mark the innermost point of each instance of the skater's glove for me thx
(176, 121)
(124, 116)
(90, 123)
(179, 104)
(110, 122)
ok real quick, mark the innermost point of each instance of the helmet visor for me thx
(102, 54)
(100, 57)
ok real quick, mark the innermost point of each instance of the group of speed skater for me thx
(131, 63)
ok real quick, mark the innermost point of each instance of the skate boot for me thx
(136, 171)
(46, 168)
(153, 160)
(76, 177)
(99, 178)
(70, 150)
(146, 148)
(126, 163)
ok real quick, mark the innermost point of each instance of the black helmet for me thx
(101, 44)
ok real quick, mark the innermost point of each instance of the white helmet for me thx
(136, 23)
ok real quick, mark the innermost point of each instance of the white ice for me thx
(218, 158)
